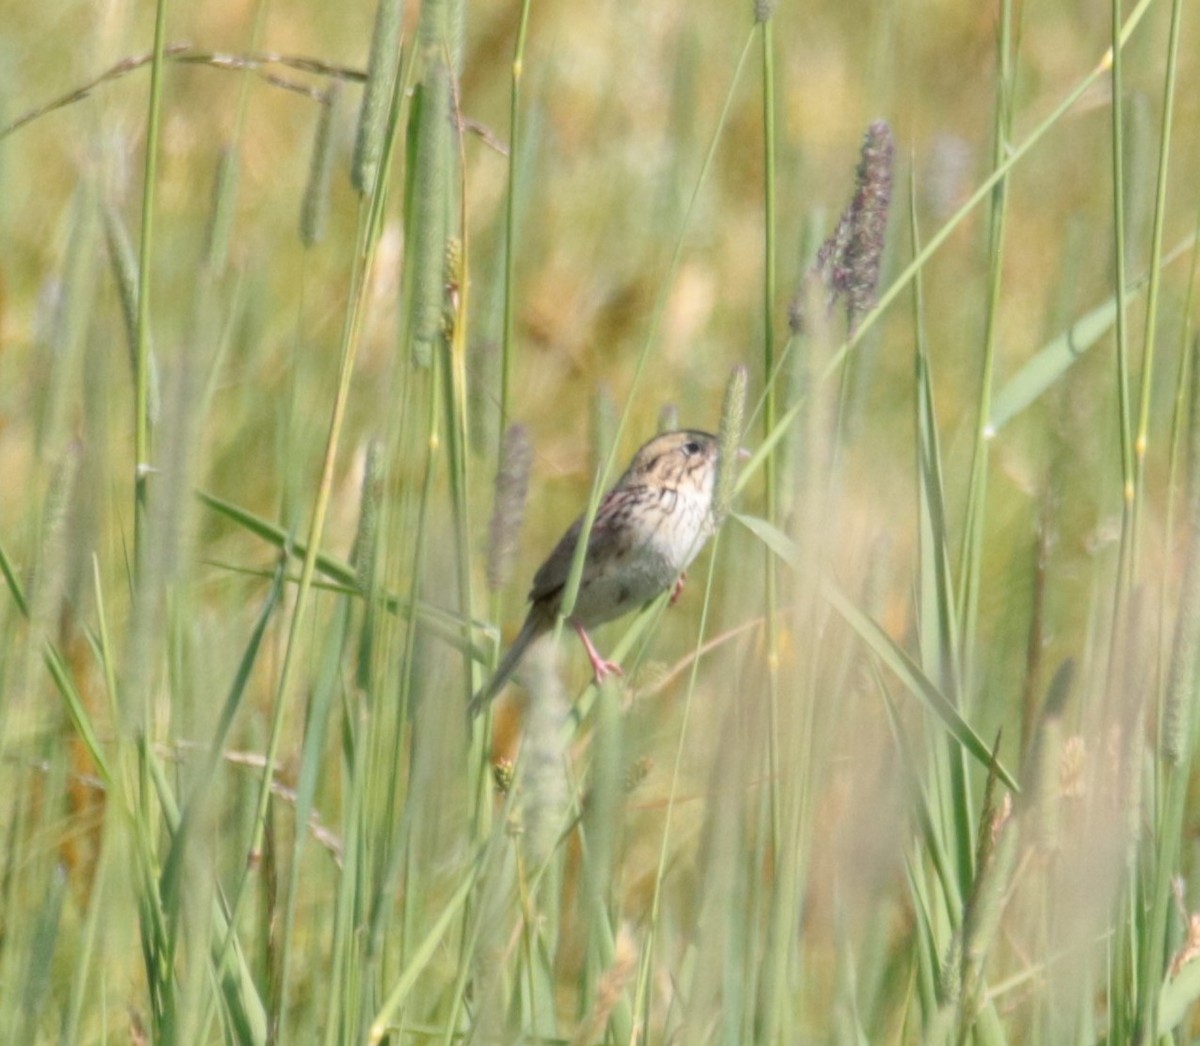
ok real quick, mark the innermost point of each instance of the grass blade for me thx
(889, 653)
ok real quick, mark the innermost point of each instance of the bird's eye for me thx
(691, 447)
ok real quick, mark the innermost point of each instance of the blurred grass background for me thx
(246, 809)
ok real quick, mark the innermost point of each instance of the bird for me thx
(647, 530)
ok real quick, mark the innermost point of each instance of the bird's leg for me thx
(677, 589)
(602, 668)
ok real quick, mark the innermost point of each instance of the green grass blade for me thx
(76, 708)
(887, 650)
(447, 624)
(421, 956)
(1050, 363)
(939, 628)
(13, 582)
(243, 1002)
(1177, 997)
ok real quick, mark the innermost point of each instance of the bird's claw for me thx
(603, 669)
(677, 588)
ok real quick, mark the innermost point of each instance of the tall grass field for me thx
(320, 323)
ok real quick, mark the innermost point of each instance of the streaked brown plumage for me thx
(647, 530)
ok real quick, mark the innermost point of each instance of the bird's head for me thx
(676, 457)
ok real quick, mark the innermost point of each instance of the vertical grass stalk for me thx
(1124, 407)
(142, 449)
(770, 482)
(1015, 155)
(370, 221)
(1141, 441)
(972, 547)
(510, 214)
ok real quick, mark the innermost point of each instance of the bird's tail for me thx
(530, 631)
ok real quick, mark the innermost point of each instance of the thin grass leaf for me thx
(314, 745)
(939, 629)
(14, 584)
(343, 1018)
(103, 644)
(82, 721)
(445, 623)
(422, 955)
(221, 214)
(1015, 156)
(928, 949)
(994, 856)
(1149, 341)
(172, 873)
(1049, 364)
(244, 1004)
(125, 275)
(1177, 997)
(886, 649)
(921, 806)
(39, 972)
(942, 653)
(918, 684)
(87, 965)
(1178, 712)
(602, 817)
(143, 420)
(1055, 358)
(602, 426)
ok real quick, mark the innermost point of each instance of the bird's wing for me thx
(552, 576)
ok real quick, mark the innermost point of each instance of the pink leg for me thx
(602, 668)
(677, 591)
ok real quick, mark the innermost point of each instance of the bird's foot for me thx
(602, 668)
(677, 588)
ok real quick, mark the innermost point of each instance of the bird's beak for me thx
(743, 454)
